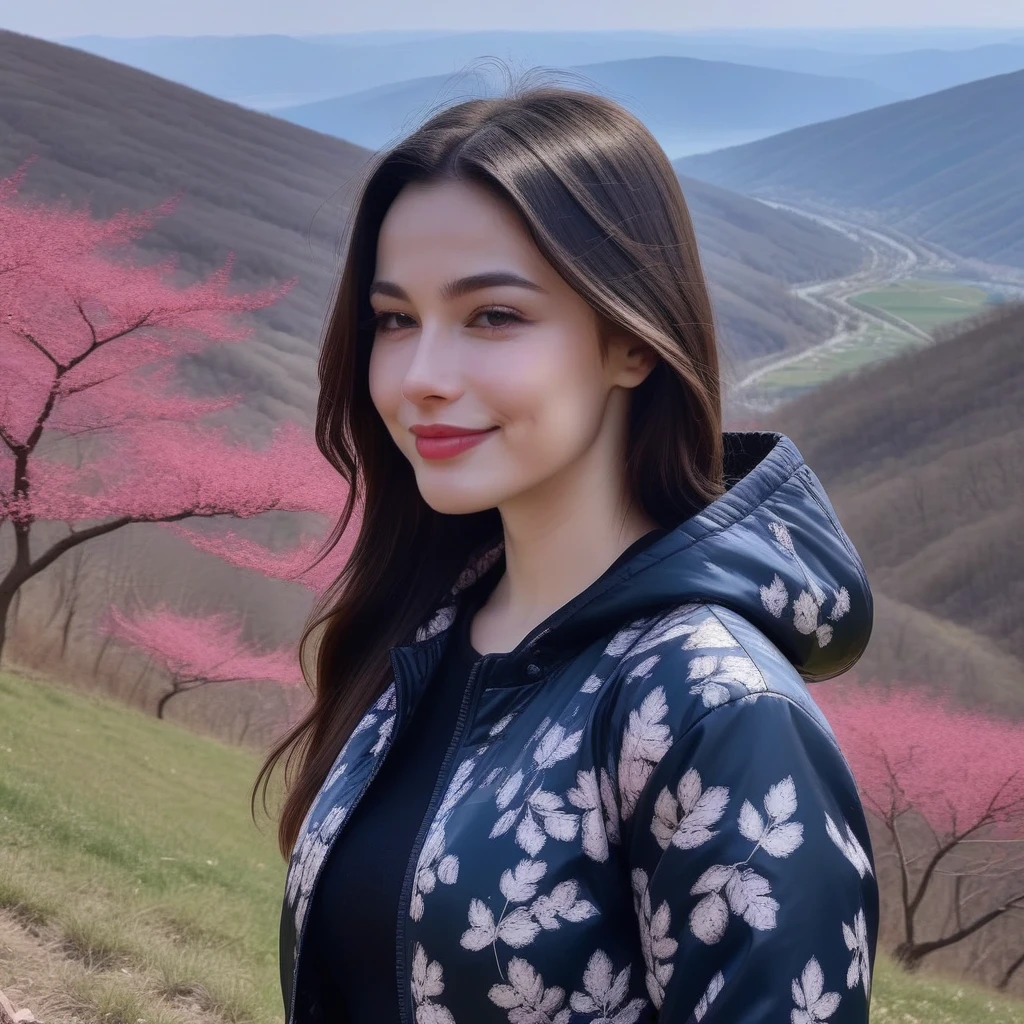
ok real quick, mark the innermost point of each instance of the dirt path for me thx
(37, 974)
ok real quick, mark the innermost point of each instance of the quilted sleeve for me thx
(750, 863)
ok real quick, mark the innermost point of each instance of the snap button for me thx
(533, 670)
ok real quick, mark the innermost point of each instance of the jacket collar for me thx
(770, 548)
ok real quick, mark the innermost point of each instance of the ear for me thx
(629, 361)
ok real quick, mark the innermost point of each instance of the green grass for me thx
(131, 838)
(923, 303)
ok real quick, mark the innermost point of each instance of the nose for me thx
(433, 371)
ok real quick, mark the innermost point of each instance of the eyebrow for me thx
(461, 286)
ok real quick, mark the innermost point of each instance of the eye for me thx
(379, 321)
(506, 317)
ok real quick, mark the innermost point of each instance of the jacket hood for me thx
(770, 548)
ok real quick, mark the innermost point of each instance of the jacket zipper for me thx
(359, 796)
(410, 871)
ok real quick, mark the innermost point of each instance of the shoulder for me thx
(693, 659)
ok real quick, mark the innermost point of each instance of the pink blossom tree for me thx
(920, 762)
(88, 349)
(200, 651)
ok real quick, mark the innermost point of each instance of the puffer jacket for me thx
(642, 814)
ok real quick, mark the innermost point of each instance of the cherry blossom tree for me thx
(200, 651)
(920, 764)
(89, 344)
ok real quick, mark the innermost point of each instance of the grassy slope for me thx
(133, 838)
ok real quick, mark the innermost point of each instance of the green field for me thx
(925, 304)
(130, 840)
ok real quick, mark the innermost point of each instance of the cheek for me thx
(385, 382)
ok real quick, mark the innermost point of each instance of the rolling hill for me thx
(274, 193)
(667, 93)
(923, 458)
(944, 168)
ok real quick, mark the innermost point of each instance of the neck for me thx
(559, 538)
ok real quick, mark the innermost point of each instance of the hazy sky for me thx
(54, 19)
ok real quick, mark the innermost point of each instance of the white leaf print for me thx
(856, 939)
(710, 633)
(520, 884)
(540, 730)
(715, 986)
(518, 929)
(782, 840)
(603, 993)
(367, 721)
(644, 669)
(383, 735)
(670, 628)
(644, 744)
(611, 808)
(841, 605)
(713, 879)
(591, 684)
(529, 835)
(544, 800)
(481, 932)
(685, 820)
(427, 983)
(776, 597)
(655, 942)
(625, 638)
(823, 634)
(780, 800)
(586, 795)
(526, 999)
(717, 675)
(813, 1003)
(448, 869)
(805, 613)
(850, 846)
(748, 896)
(751, 825)
(562, 902)
(508, 790)
(504, 823)
(500, 725)
(556, 746)
(561, 825)
(709, 918)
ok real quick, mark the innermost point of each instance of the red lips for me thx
(442, 440)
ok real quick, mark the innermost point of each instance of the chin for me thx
(449, 498)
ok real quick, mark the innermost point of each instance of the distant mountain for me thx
(667, 93)
(275, 194)
(268, 72)
(922, 71)
(945, 168)
(923, 458)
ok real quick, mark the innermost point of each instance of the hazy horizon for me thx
(62, 19)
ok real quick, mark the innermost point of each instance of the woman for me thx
(562, 765)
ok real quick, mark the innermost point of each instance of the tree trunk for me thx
(1004, 981)
(908, 955)
(162, 703)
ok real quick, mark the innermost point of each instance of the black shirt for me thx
(354, 976)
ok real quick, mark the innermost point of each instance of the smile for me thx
(448, 445)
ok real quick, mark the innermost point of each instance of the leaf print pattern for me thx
(685, 820)
(520, 927)
(715, 986)
(856, 939)
(309, 857)
(645, 743)
(434, 864)
(849, 845)
(808, 605)
(717, 677)
(657, 945)
(600, 815)
(604, 991)
(526, 998)
(738, 889)
(427, 984)
(813, 1003)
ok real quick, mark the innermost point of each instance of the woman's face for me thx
(477, 332)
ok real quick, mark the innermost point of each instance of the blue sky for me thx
(54, 19)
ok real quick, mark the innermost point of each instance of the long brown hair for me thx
(603, 205)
